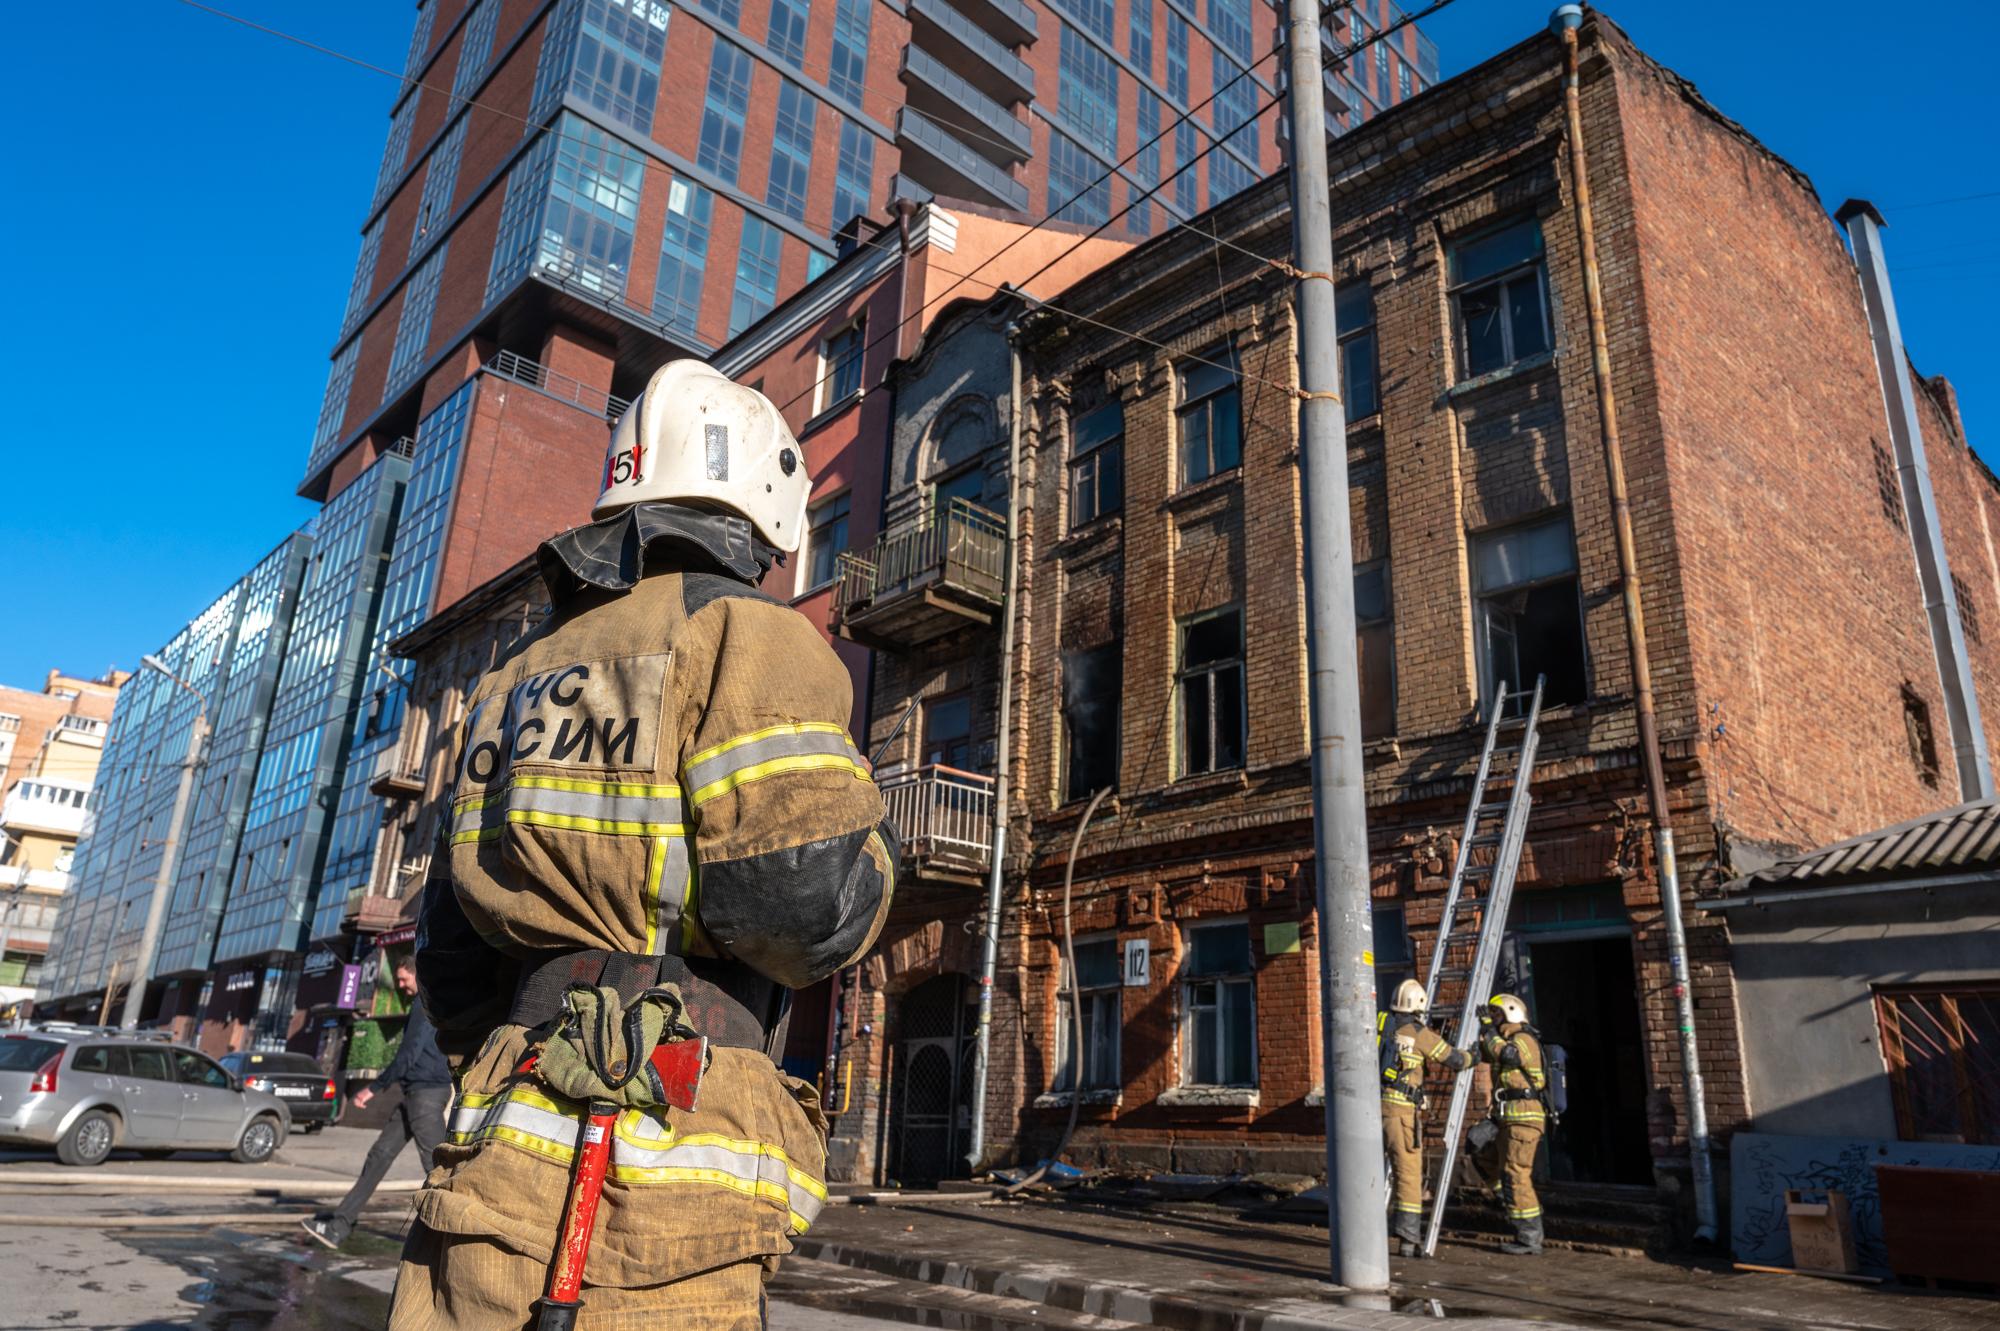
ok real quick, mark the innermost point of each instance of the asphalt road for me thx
(196, 1241)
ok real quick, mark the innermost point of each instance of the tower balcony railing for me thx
(940, 162)
(51, 808)
(945, 819)
(923, 579)
(535, 375)
(988, 63)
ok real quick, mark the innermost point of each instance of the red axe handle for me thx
(564, 1299)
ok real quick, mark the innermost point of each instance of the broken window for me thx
(948, 731)
(1528, 618)
(1091, 685)
(1097, 991)
(1917, 729)
(1096, 464)
(1942, 1048)
(1887, 488)
(1500, 294)
(1375, 648)
(1968, 609)
(1354, 317)
(1209, 418)
(1211, 689)
(1218, 1007)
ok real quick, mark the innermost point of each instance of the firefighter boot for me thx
(1527, 1239)
(1409, 1229)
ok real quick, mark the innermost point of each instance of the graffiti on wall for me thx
(1764, 1165)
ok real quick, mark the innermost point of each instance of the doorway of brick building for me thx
(1568, 954)
(930, 1081)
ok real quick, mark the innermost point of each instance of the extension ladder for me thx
(1490, 820)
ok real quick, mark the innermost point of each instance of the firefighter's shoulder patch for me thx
(699, 590)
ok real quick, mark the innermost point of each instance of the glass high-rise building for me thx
(651, 173)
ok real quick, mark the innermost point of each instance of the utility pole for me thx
(156, 909)
(1356, 1203)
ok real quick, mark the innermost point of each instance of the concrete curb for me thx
(1147, 1307)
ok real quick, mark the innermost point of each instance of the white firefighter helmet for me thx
(1513, 1012)
(697, 436)
(1410, 997)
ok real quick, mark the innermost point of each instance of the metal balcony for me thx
(986, 63)
(945, 818)
(922, 580)
(946, 166)
(1010, 21)
(987, 127)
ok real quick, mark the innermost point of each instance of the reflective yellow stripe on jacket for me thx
(607, 808)
(797, 747)
(644, 1151)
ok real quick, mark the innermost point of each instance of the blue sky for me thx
(171, 318)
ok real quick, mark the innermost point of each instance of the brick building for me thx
(1161, 620)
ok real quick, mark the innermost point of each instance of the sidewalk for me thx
(1202, 1268)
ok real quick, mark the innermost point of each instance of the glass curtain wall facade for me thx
(407, 600)
(230, 653)
(312, 719)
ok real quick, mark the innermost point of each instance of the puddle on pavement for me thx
(265, 1287)
(908, 1314)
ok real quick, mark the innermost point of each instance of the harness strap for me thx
(727, 1002)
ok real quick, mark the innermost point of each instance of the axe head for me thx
(679, 1067)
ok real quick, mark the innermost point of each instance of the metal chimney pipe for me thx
(1961, 696)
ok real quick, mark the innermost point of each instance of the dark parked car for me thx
(86, 1090)
(301, 1083)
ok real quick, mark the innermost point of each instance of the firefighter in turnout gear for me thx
(1520, 1080)
(659, 819)
(1407, 1046)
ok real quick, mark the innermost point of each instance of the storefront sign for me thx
(405, 934)
(319, 961)
(350, 987)
(239, 981)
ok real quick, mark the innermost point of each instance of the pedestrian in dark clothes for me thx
(420, 1069)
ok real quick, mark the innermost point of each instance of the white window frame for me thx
(807, 583)
(824, 397)
(1186, 1015)
(1091, 996)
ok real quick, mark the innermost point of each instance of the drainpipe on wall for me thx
(989, 960)
(1565, 21)
(1961, 697)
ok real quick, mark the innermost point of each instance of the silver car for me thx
(86, 1090)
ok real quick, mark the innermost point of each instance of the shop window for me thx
(1097, 994)
(1092, 682)
(1499, 295)
(1212, 709)
(1375, 648)
(1218, 1007)
(1529, 613)
(1942, 1049)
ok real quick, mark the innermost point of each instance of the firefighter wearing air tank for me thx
(1520, 1088)
(660, 828)
(1408, 1044)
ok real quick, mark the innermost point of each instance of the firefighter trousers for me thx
(1518, 1143)
(461, 1282)
(1403, 1138)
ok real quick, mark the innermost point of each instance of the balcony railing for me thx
(988, 128)
(921, 580)
(988, 63)
(945, 818)
(513, 365)
(937, 160)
